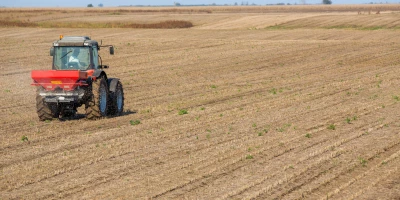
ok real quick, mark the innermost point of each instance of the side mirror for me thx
(52, 51)
(112, 50)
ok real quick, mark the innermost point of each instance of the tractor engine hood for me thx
(52, 79)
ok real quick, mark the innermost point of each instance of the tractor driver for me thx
(73, 59)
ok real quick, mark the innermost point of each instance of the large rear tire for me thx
(46, 111)
(96, 107)
(117, 100)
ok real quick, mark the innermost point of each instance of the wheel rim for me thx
(103, 99)
(119, 100)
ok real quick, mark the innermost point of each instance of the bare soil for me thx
(301, 112)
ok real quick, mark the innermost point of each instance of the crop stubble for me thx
(252, 95)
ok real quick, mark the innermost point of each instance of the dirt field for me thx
(282, 104)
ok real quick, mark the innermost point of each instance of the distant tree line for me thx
(326, 2)
(91, 5)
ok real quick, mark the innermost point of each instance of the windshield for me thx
(71, 58)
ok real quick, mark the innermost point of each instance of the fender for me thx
(112, 84)
(99, 73)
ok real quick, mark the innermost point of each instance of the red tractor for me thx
(77, 78)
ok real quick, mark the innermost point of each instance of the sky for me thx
(114, 3)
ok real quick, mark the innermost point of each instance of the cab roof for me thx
(75, 41)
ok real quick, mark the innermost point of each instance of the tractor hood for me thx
(52, 79)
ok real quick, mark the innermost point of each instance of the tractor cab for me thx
(76, 53)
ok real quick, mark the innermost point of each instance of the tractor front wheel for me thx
(46, 111)
(96, 107)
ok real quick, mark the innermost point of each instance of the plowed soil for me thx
(309, 110)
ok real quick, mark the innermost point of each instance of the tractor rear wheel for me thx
(46, 111)
(117, 100)
(96, 107)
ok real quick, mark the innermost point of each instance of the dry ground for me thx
(307, 108)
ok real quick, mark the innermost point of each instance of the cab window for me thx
(95, 55)
(71, 58)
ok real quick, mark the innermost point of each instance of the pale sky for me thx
(113, 3)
